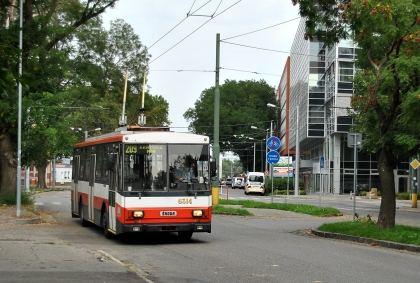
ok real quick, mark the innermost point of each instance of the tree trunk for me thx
(386, 218)
(42, 169)
(8, 164)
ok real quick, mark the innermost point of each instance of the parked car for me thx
(238, 182)
(229, 182)
(254, 183)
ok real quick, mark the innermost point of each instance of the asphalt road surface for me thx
(271, 248)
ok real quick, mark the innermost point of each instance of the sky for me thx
(190, 45)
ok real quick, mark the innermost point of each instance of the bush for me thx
(403, 196)
(9, 198)
(280, 184)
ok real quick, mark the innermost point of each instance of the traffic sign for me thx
(273, 157)
(415, 164)
(321, 162)
(273, 143)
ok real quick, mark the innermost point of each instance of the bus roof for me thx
(152, 135)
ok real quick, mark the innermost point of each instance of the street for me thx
(239, 249)
(364, 206)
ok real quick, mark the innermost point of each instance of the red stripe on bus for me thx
(152, 215)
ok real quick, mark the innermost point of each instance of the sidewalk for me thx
(8, 215)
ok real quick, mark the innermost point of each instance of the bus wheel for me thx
(185, 235)
(107, 234)
(83, 221)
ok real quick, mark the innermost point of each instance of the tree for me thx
(46, 25)
(242, 104)
(387, 85)
(102, 60)
(45, 135)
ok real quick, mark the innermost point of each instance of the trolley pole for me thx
(216, 146)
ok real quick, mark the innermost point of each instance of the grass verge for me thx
(298, 208)
(230, 210)
(368, 229)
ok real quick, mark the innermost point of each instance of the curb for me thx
(368, 241)
(17, 220)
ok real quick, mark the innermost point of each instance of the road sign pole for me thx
(271, 166)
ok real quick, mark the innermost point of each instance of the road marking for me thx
(56, 203)
(39, 203)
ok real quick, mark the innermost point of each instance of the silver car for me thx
(238, 182)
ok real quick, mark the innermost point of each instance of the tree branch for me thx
(86, 16)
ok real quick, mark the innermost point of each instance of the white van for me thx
(254, 183)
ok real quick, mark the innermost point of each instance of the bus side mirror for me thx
(110, 162)
(213, 169)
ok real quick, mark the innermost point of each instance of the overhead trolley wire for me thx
(261, 29)
(188, 15)
(194, 31)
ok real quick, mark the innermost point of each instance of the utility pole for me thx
(297, 162)
(216, 146)
(19, 141)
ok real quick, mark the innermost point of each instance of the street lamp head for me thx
(271, 105)
(253, 127)
(97, 129)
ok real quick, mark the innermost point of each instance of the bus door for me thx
(92, 185)
(113, 185)
(76, 172)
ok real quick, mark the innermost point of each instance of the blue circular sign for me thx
(273, 143)
(273, 157)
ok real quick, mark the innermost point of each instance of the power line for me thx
(255, 47)
(212, 71)
(288, 52)
(262, 28)
(194, 31)
(250, 72)
(188, 15)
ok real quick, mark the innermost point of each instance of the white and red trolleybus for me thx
(124, 182)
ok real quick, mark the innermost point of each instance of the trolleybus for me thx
(124, 182)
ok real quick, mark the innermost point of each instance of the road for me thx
(405, 215)
(239, 249)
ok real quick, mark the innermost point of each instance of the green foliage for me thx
(9, 198)
(365, 228)
(386, 98)
(298, 208)
(232, 168)
(280, 184)
(242, 104)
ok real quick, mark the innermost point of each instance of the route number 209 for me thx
(131, 149)
(185, 201)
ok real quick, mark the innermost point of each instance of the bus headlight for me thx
(138, 214)
(197, 213)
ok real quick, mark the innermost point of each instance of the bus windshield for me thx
(161, 167)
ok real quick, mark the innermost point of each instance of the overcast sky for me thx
(195, 55)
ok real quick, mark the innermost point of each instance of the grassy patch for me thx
(368, 229)
(230, 210)
(298, 208)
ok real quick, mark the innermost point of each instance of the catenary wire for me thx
(188, 15)
(262, 29)
(194, 32)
